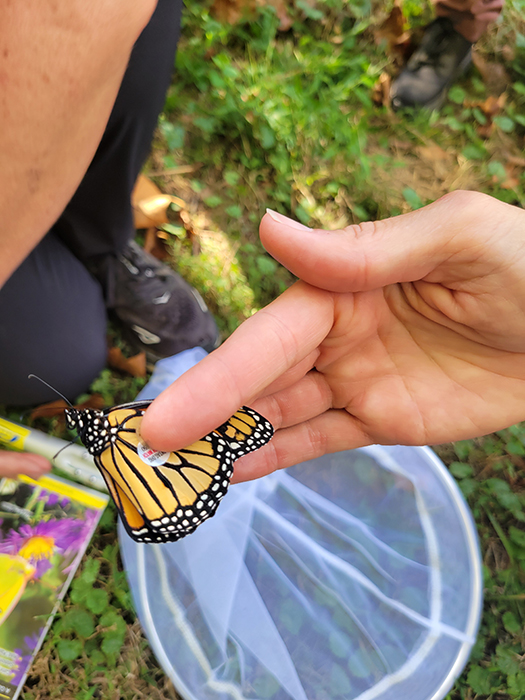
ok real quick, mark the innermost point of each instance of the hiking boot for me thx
(162, 314)
(442, 57)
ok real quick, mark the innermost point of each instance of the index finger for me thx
(262, 349)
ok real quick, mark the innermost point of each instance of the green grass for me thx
(286, 120)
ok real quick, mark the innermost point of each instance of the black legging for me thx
(52, 311)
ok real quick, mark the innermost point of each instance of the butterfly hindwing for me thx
(246, 431)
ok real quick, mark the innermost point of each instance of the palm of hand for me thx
(406, 372)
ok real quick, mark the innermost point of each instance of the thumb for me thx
(374, 254)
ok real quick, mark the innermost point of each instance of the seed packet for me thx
(45, 527)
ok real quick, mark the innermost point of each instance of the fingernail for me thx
(280, 219)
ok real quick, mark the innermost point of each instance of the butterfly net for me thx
(355, 575)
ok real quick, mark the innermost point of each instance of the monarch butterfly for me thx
(163, 496)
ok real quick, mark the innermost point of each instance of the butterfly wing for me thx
(163, 496)
(246, 431)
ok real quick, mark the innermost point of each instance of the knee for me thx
(52, 324)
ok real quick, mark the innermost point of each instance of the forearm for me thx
(61, 65)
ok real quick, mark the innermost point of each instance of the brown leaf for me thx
(232, 11)
(55, 409)
(493, 105)
(398, 145)
(136, 365)
(437, 158)
(512, 179)
(49, 410)
(155, 243)
(381, 90)
(150, 205)
(494, 75)
(176, 170)
(393, 28)
(510, 183)
(188, 224)
(394, 31)
(92, 401)
(144, 188)
(433, 153)
(490, 107)
(515, 160)
(485, 130)
(153, 210)
(281, 10)
(196, 248)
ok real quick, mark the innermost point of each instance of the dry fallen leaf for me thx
(381, 90)
(398, 145)
(512, 179)
(281, 10)
(508, 53)
(93, 401)
(150, 205)
(494, 105)
(433, 153)
(437, 159)
(55, 409)
(155, 244)
(136, 365)
(494, 75)
(176, 170)
(510, 183)
(49, 410)
(191, 231)
(155, 209)
(515, 160)
(144, 188)
(394, 31)
(232, 11)
(490, 108)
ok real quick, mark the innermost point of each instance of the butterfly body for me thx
(163, 496)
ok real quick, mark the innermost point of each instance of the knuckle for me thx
(317, 441)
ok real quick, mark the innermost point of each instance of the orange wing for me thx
(163, 496)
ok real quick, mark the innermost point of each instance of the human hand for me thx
(409, 330)
(14, 463)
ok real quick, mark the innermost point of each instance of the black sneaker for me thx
(443, 55)
(161, 313)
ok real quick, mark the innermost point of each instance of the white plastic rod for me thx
(73, 459)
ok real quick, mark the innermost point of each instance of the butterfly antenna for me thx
(71, 442)
(34, 376)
